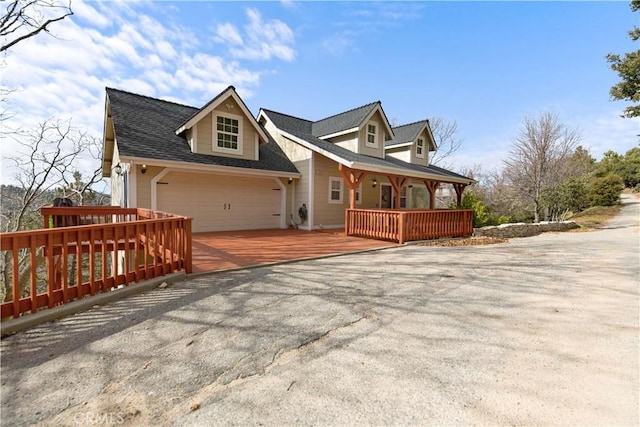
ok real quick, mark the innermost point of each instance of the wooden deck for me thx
(229, 249)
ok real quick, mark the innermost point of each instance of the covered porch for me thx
(400, 224)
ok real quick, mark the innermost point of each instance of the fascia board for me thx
(408, 173)
(315, 148)
(342, 132)
(200, 167)
(384, 116)
(221, 98)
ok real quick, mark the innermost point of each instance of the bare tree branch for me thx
(445, 133)
(24, 19)
(538, 156)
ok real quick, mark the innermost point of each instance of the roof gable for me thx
(300, 131)
(408, 133)
(144, 129)
(214, 103)
(347, 120)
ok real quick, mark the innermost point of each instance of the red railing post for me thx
(401, 230)
(187, 258)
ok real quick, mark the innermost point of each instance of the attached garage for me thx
(222, 202)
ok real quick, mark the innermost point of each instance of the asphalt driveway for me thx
(537, 331)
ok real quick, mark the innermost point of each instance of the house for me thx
(229, 170)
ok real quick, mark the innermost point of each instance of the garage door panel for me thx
(219, 202)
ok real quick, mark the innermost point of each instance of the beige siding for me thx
(419, 160)
(300, 191)
(117, 182)
(325, 213)
(400, 153)
(371, 195)
(348, 141)
(381, 135)
(206, 137)
(143, 187)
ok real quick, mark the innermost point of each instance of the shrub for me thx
(605, 191)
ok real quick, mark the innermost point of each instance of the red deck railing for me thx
(407, 225)
(86, 250)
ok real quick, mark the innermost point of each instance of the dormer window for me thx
(372, 139)
(420, 148)
(228, 133)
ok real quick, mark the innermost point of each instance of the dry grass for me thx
(470, 241)
(595, 217)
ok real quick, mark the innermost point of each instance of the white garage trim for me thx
(283, 203)
(154, 187)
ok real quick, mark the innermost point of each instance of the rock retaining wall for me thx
(523, 230)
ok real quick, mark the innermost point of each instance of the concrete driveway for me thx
(536, 331)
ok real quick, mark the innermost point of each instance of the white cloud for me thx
(88, 13)
(65, 76)
(262, 40)
(228, 33)
(339, 43)
(609, 131)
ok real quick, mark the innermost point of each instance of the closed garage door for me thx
(219, 202)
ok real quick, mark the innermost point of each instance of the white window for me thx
(372, 134)
(359, 194)
(335, 190)
(420, 148)
(403, 198)
(227, 131)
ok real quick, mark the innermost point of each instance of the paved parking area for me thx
(536, 331)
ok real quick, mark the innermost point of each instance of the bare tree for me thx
(445, 133)
(538, 155)
(45, 160)
(24, 19)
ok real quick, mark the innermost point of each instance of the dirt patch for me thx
(596, 217)
(470, 241)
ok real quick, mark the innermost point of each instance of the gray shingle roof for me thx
(145, 128)
(301, 128)
(406, 133)
(343, 121)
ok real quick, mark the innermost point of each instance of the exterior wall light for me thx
(375, 183)
(143, 169)
(290, 181)
(118, 169)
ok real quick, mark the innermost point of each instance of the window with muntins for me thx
(420, 147)
(228, 131)
(335, 190)
(371, 134)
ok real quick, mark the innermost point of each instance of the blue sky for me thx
(486, 65)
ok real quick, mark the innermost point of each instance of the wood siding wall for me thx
(206, 137)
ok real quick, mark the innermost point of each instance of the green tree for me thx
(605, 191)
(482, 214)
(630, 169)
(628, 68)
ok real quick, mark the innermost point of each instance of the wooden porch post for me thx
(459, 189)
(432, 186)
(349, 176)
(397, 182)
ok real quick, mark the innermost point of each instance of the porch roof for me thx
(301, 131)
(145, 129)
